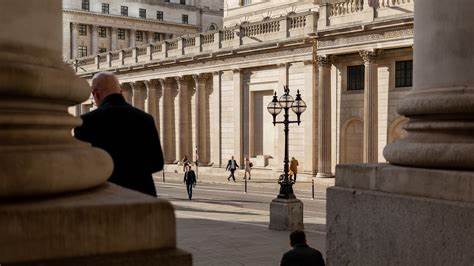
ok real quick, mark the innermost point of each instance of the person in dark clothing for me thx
(231, 166)
(128, 134)
(301, 254)
(190, 181)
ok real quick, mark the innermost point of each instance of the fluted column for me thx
(324, 117)
(127, 92)
(215, 120)
(139, 95)
(38, 154)
(152, 88)
(113, 39)
(168, 116)
(161, 112)
(74, 36)
(94, 40)
(440, 132)
(370, 107)
(179, 118)
(196, 113)
(238, 116)
(132, 38)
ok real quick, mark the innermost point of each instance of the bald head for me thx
(104, 84)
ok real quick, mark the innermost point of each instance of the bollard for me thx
(312, 189)
(245, 182)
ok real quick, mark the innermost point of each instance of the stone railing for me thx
(346, 7)
(290, 26)
(390, 3)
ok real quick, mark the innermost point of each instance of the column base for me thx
(286, 215)
(324, 175)
(102, 226)
(389, 215)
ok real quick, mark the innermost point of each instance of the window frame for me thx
(160, 15)
(82, 29)
(155, 35)
(105, 8)
(185, 19)
(85, 5)
(139, 36)
(404, 74)
(102, 32)
(124, 11)
(102, 50)
(245, 2)
(142, 13)
(182, 2)
(121, 33)
(81, 51)
(355, 78)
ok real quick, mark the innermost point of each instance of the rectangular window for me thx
(184, 18)
(245, 2)
(102, 32)
(85, 5)
(139, 36)
(159, 15)
(82, 29)
(167, 1)
(355, 77)
(156, 36)
(124, 10)
(102, 50)
(403, 74)
(142, 13)
(105, 8)
(121, 34)
(182, 2)
(81, 51)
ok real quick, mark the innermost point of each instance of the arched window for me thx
(212, 27)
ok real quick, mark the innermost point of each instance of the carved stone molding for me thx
(369, 56)
(324, 61)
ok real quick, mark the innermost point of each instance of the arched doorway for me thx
(352, 141)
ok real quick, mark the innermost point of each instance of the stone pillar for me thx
(113, 39)
(127, 92)
(94, 40)
(132, 38)
(324, 117)
(310, 117)
(238, 116)
(251, 127)
(216, 120)
(440, 107)
(180, 149)
(153, 93)
(149, 36)
(139, 95)
(168, 116)
(196, 120)
(74, 36)
(160, 95)
(370, 107)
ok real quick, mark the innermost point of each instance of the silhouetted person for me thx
(190, 181)
(294, 167)
(128, 134)
(231, 166)
(301, 254)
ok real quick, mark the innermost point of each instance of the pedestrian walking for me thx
(190, 181)
(248, 168)
(301, 254)
(294, 167)
(231, 166)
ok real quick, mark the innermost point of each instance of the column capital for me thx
(324, 61)
(369, 56)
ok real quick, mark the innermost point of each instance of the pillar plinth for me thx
(370, 145)
(324, 117)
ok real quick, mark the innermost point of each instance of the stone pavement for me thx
(223, 226)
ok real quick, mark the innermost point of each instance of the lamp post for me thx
(298, 106)
(286, 212)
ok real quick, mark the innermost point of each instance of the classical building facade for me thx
(98, 26)
(208, 92)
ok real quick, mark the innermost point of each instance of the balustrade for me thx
(172, 44)
(297, 22)
(346, 7)
(207, 38)
(261, 28)
(389, 3)
(189, 41)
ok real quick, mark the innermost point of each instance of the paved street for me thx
(224, 226)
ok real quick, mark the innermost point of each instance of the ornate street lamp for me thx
(298, 106)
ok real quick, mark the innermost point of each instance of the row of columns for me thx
(370, 140)
(179, 107)
(111, 35)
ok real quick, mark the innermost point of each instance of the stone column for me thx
(324, 117)
(152, 87)
(238, 116)
(160, 95)
(139, 95)
(178, 119)
(127, 92)
(215, 120)
(94, 40)
(149, 36)
(113, 39)
(370, 107)
(251, 127)
(196, 113)
(168, 115)
(440, 107)
(132, 38)
(74, 36)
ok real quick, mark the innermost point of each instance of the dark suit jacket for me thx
(302, 255)
(229, 164)
(190, 177)
(129, 135)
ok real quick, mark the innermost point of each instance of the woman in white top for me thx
(248, 167)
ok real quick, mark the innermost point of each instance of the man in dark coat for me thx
(128, 134)
(301, 254)
(190, 181)
(231, 166)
